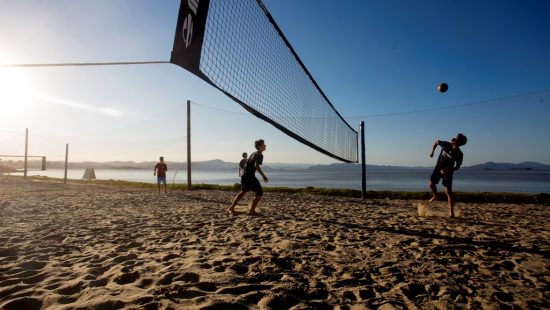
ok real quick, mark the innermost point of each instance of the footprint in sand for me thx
(366, 293)
(167, 279)
(206, 286)
(32, 265)
(503, 297)
(145, 282)
(220, 268)
(178, 292)
(282, 262)
(169, 257)
(189, 277)
(97, 270)
(99, 282)
(243, 289)
(123, 258)
(239, 268)
(70, 289)
(127, 277)
(414, 291)
(278, 301)
(35, 279)
(22, 303)
(27, 277)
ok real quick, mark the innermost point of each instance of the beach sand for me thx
(94, 246)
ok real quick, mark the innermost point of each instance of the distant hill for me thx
(215, 164)
(218, 165)
(523, 166)
(489, 166)
(201, 165)
(343, 167)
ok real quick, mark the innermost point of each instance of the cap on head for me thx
(461, 139)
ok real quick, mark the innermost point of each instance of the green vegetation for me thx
(482, 197)
(5, 169)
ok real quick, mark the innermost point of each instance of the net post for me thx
(43, 163)
(188, 144)
(26, 152)
(66, 162)
(363, 164)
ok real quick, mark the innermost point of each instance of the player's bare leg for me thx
(254, 204)
(235, 201)
(450, 199)
(434, 192)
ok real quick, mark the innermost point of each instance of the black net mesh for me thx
(244, 55)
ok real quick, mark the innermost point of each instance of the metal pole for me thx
(26, 151)
(188, 144)
(66, 162)
(363, 164)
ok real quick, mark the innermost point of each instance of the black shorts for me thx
(447, 178)
(251, 184)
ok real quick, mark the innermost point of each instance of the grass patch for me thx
(467, 197)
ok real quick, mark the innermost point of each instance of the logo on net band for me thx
(187, 27)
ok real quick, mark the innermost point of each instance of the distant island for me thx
(216, 164)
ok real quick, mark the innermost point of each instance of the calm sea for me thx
(467, 181)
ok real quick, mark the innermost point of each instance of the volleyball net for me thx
(237, 47)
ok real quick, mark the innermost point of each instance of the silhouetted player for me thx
(249, 182)
(450, 159)
(160, 171)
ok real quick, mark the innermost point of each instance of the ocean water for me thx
(467, 181)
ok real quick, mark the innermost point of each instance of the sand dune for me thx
(99, 247)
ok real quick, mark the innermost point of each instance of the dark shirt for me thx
(161, 169)
(250, 167)
(449, 156)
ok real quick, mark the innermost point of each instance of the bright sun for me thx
(15, 94)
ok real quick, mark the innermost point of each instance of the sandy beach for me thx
(93, 246)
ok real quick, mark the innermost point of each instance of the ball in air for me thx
(443, 87)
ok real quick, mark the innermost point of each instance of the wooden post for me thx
(43, 163)
(188, 144)
(363, 164)
(26, 152)
(66, 162)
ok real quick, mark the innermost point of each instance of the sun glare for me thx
(15, 94)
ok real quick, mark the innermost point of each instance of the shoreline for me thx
(466, 197)
(470, 182)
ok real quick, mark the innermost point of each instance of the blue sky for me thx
(375, 60)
